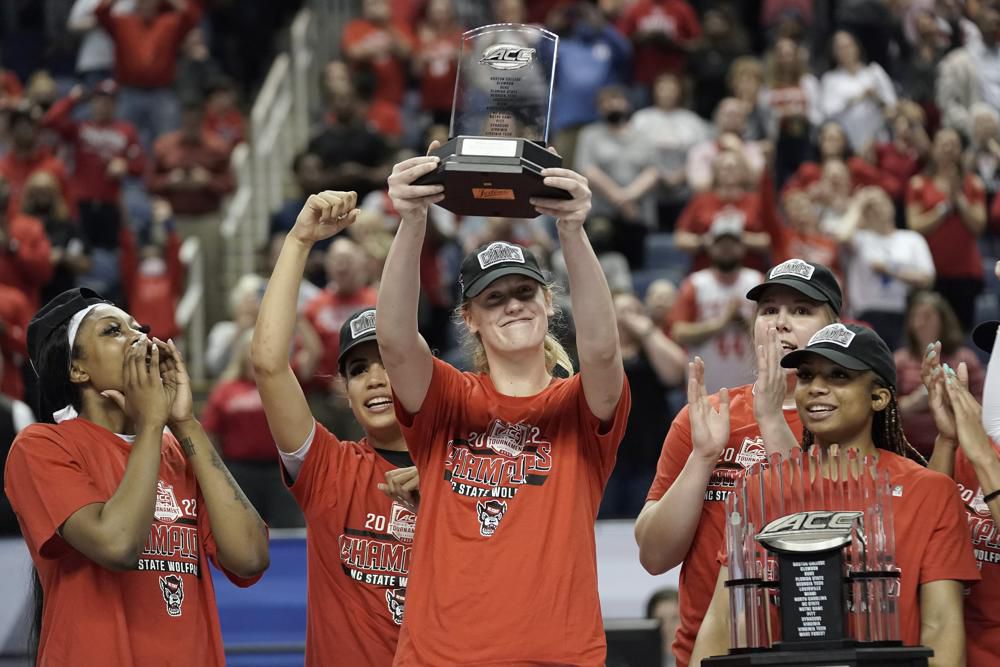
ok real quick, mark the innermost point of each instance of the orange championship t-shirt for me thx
(982, 603)
(700, 568)
(504, 563)
(358, 552)
(163, 610)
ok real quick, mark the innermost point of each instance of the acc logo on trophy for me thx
(809, 531)
(507, 56)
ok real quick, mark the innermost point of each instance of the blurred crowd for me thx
(719, 137)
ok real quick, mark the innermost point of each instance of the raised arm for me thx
(597, 345)
(288, 413)
(405, 353)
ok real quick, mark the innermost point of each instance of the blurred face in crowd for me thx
(989, 21)
(660, 297)
(509, 11)
(310, 173)
(715, 24)
(925, 322)
(836, 178)
(369, 392)
(877, 212)
(191, 118)
(346, 266)
(24, 132)
(801, 212)
(794, 315)
(147, 9)
(511, 315)
(102, 107)
(985, 126)
(667, 92)
(786, 54)
(747, 85)
(613, 106)
(41, 193)
(726, 253)
(845, 49)
(439, 11)
(947, 147)
(376, 11)
(832, 141)
(730, 170)
(731, 116)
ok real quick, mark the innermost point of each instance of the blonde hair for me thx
(555, 353)
(44, 180)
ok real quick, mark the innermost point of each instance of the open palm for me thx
(709, 426)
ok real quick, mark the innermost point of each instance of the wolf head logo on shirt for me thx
(489, 514)
(172, 587)
(396, 599)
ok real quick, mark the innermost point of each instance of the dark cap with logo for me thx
(852, 346)
(812, 280)
(357, 329)
(55, 313)
(495, 260)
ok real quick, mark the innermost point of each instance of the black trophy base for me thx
(859, 655)
(493, 176)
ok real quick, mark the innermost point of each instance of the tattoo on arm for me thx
(238, 494)
(188, 446)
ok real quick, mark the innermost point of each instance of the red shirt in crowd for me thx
(94, 147)
(16, 169)
(390, 70)
(10, 86)
(152, 294)
(439, 54)
(497, 473)
(358, 552)
(705, 207)
(15, 313)
(234, 414)
(955, 249)
(674, 19)
(165, 609)
(745, 448)
(788, 242)
(177, 151)
(146, 52)
(26, 261)
(382, 117)
(862, 173)
(982, 604)
(901, 165)
(327, 312)
(229, 125)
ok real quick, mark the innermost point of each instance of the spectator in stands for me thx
(663, 32)
(745, 81)
(105, 151)
(223, 117)
(234, 418)
(982, 157)
(70, 249)
(310, 176)
(435, 58)
(723, 41)
(660, 298)
(28, 156)
(25, 251)
(883, 264)
(729, 198)
(917, 67)
(14, 416)
(197, 70)
(377, 40)
(671, 130)
(355, 155)
(147, 45)
(664, 605)
(152, 273)
(619, 164)
(972, 73)
(712, 314)
(653, 365)
(831, 195)
(10, 87)
(349, 289)
(244, 304)
(95, 57)
(929, 319)
(791, 95)
(948, 205)
(857, 95)
(592, 56)
(359, 82)
(731, 124)
(901, 159)
(15, 312)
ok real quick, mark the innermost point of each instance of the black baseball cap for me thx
(357, 329)
(495, 260)
(812, 280)
(985, 335)
(852, 346)
(56, 313)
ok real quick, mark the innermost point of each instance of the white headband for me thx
(69, 412)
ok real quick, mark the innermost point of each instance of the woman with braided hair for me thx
(846, 396)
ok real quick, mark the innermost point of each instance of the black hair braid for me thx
(55, 391)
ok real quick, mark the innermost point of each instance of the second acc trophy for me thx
(492, 163)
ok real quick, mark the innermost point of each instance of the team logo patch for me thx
(402, 523)
(507, 439)
(837, 334)
(166, 510)
(507, 56)
(395, 598)
(499, 252)
(897, 491)
(172, 587)
(489, 515)
(793, 267)
(363, 324)
(752, 452)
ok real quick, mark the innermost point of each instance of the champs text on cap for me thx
(499, 252)
(363, 324)
(835, 333)
(794, 267)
